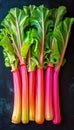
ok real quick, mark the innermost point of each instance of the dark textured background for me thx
(66, 76)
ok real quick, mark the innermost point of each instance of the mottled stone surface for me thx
(66, 76)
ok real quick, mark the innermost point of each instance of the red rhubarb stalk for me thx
(31, 73)
(48, 92)
(24, 76)
(32, 95)
(66, 24)
(56, 102)
(39, 113)
(17, 109)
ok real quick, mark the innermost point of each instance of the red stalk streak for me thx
(56, 102)
(49, 93)
(16, 115)
(39, 108)
(25, 107)
(32, 95)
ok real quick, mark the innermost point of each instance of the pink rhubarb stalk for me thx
(31, 73)
(49, 92)
(32, 95)
(39, 113)
(17, 109)
(39, 110)
(56, 102)
(25, 107)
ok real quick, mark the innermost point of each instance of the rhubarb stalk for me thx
(16, 115)
(64, 28)
(24, 76)
(39, 111)
(32, 95)
(49, 92)
(15, 23)
(40, 21)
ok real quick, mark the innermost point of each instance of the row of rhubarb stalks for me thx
(34, 41)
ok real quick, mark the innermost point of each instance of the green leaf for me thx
(9, 54)
(29, 9)
(29, 40)
(62, 34)
(15, 22)
(35, 61)
(55, 56)
(57, 15)
(10, 59)
(7, 61)
(40, 20)
(5, 41)
(45, 21)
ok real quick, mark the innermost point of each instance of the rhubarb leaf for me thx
(15, 22)
(26, 45)
(45, 20)
(40, 20)
(57, 15)
(31, 38)
(9, 53)
(55, 56)
(29, 9)
(61, 34)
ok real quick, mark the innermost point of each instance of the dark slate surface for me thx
(66, 76)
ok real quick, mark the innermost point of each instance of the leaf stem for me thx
(63, 53)
(19, 36)
(42, 48)
(16, 48)
(18, 32)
